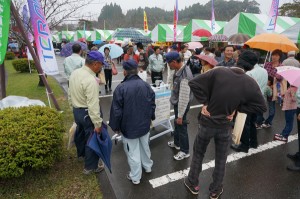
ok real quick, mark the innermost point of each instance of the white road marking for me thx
(163, 180)
(104, 96)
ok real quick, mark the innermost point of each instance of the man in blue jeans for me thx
(180, 98)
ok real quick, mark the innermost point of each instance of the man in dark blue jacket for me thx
(132, 109)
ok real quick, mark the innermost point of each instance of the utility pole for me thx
(34, 56)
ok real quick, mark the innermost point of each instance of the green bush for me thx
(10, 56)
(30, 137)
(21, 65)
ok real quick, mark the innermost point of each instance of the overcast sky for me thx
(94, 9)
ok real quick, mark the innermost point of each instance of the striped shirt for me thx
(272, 71)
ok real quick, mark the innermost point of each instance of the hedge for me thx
(10, 56)
(21, 65)
(30, 137)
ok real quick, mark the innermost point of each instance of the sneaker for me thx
(110, 90)
(216, 195)
(133, 181)
(148, 170)
(277, 135)
(266, 125)
(172, 145)
(258, 127)
(193, 189)
(280, 138)
(88, 172)
(181, 155)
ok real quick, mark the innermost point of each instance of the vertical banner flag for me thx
(213, 20)
(26, 22)
(4, 27)
(175, 20)
(43, 38)
(271, 22)
(145, 22)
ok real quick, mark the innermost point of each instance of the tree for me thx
(58, 11)
(290, 9)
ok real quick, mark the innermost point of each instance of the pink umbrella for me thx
(194, 44)
(208, 59)
(290, 73)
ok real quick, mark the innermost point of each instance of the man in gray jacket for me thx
(180, 98)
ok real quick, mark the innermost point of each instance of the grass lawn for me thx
(65, 178)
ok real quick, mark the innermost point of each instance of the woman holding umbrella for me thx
(207, 62)
(108, 69)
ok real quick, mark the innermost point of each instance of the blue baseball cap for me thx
(96, 56)
(130, 64)
(172, 56)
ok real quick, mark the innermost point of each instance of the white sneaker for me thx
(181, 155)
(266, 125)
(133, 181)
(172, 145)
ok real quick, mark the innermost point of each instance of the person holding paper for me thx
(222, 91)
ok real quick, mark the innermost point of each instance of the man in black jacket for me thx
(132, 109)
(222, 91)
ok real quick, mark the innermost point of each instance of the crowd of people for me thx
(204, 74)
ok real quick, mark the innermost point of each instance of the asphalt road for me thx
(260, 174)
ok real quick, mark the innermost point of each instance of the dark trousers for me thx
(289, 121)
(108, 78)
(84, 129)
(181, 137)
(271, 112)
(156, 76)
(222, 138)
(259, 118)
(249, 135)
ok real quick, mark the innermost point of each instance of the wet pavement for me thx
(260, 174)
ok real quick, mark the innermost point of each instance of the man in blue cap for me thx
(181, 97)
(84, 98)
(132, 109)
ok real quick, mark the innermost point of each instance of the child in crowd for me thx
(290, 108)
(268, 94)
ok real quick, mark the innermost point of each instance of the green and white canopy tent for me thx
(253, 24)
(195, 24)
(68, 35)
(56, 37)
(102, 35)
(165, 32)
(83, 34)
(293, 33)
(147, 34)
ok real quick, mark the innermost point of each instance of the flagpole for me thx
(34, 56)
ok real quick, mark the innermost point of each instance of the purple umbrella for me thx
(66, 51)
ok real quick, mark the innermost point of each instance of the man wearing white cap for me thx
(291, 61)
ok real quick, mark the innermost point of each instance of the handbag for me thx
(238, 127)
(101, 78)
(114, 69)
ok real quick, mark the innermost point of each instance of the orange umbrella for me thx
(272, 41)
